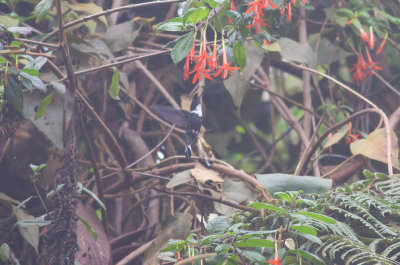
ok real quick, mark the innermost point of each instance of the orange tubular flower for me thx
(200, 67)
(371, 39)
(289, 12)
(359, 69)
(276, 260)
(380, 48)
(258, 22)
(225, 67)
(268, 2)
(233, 7)
(213, 61)
(304, 1)
(282, 10)
(256, 6)
(293, 2)
(371, 65)
(364, 36)
(350, 136)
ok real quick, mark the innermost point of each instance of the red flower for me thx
(268, 2)
(371, 39)
(359, 69)
(258, 22)
(233, 5)
(200, 67)
(186, 69)
(213, 61)
(304, 1)
(191, 53)
(364, 36)
(289, 12)
(256, 6)
(293, 2)
(178, 256)
(276, 260)
(371, 65)
(282, 10)
(350, 136)
(225, 67)
(379, 50)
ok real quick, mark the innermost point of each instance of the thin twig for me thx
(107, 12)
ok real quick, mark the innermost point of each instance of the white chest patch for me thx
(197, 111)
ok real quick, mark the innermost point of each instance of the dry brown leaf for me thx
(207, 178)
(186, 101)
(337, 136)
(374, 147)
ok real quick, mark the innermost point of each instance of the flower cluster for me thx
(362, 69)
(204, 64)
(256, 8)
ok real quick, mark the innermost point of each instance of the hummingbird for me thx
(191, 121)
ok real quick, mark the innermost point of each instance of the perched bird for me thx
(191, 121)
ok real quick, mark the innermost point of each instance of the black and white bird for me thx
(190, 121)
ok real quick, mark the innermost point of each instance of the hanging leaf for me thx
(43, 106)
(374, 147)
(240, 54)
(255, 243)
(13, 93)
(319, 217)
(30, 232)
(337, 136)
(41, 9)
(295, 51)
(114, 86)
(182, 47)
(88, 228)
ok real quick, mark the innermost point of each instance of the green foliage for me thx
(355, 224)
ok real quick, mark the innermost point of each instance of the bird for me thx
(191, 120)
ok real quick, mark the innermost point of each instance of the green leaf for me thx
(92, 194)
(217, 225)
(41, 110)
(255, 243)
(31, 71)
(170, 26)
(305, 229)
(240, 54)
(13, 93)
(3, 60)
(4, 252)
(319, 217)
(294, 51)
(261, 205)
(60, 88)
(36, 82)
(254, 256)
(114, 86)
(196, 15)
(182, 47)
(315, 260)
(20, 30)
(36, 168)
(89, 228)
(222, 248)
(285, 182)
(284, 196)
(41, 9)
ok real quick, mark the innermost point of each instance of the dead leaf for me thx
(179, 179)
(186, 101)
(207, 178)
(91, 251)
(30, 232)
(337, 136)
(374, 147)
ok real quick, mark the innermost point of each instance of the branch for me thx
(208, 197)
(107, 12)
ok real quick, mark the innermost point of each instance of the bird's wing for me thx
(172, 115)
